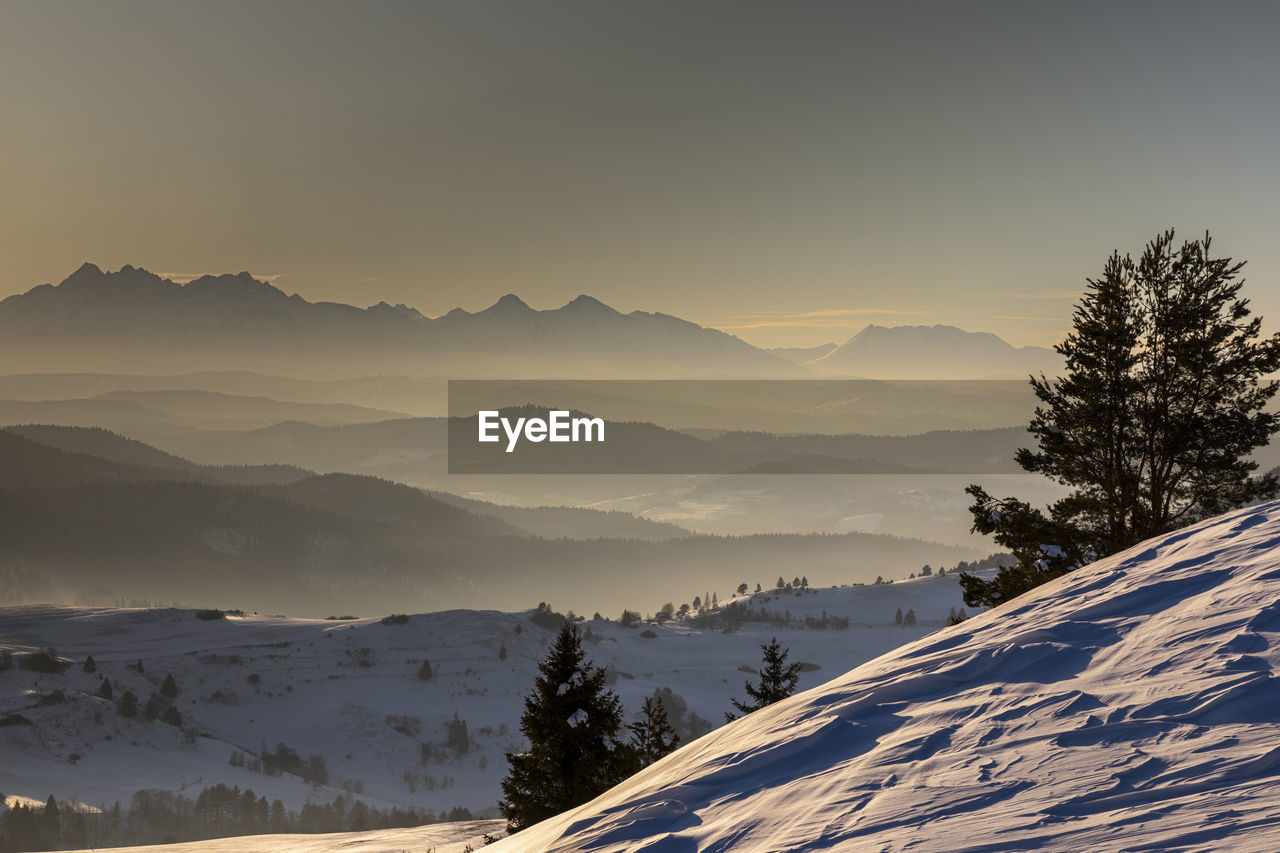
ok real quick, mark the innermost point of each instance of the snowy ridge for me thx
(1131, 705)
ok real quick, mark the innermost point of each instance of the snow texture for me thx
(436, 838)
(1131, 705)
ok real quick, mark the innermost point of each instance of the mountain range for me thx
(133, 320)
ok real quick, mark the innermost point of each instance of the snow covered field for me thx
(349, 691)
(1131, 705)
(434, 838)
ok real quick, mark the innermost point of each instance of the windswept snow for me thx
(1131, 705)
(436, 838)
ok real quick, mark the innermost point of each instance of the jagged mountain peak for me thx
(589, 306)
(232, 286)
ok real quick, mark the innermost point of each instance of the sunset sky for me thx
(785, 171)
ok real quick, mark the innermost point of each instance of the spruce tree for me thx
(571, 722)
(777, 681)
(652, 736)
(170, 687)
(52, 819)
(1152, 424)
(128, 704)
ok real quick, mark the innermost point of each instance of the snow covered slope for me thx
(1131, 705)
(460, 837)
(349, 691)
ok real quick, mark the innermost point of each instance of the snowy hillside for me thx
(350, 691)
(462, 837)
(1131, 705)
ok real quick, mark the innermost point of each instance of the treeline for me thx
(164, 817)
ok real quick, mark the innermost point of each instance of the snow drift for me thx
(1131, 705)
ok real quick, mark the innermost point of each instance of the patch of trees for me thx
(731, 616)
(544, 617)
(283, 759)
(572, 723)
(688, 725)
(161, 817)
(44, 661)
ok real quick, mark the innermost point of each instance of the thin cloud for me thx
(1045, 294)
(1020, 317)
(829, 318)
(369, 279)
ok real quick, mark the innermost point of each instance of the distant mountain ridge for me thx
(933, 352)
(132, 319)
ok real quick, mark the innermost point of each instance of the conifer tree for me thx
(104, 690)
(90, 665)
(1163, 399)
(652, 736)
(572, 723)
(52, 818)
(170, 687)
(777, 681)
(128, 704)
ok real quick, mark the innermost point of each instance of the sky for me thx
(788, 172)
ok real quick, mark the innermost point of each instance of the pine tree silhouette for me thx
(653, 736)
(777, 681)
(572, 723)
